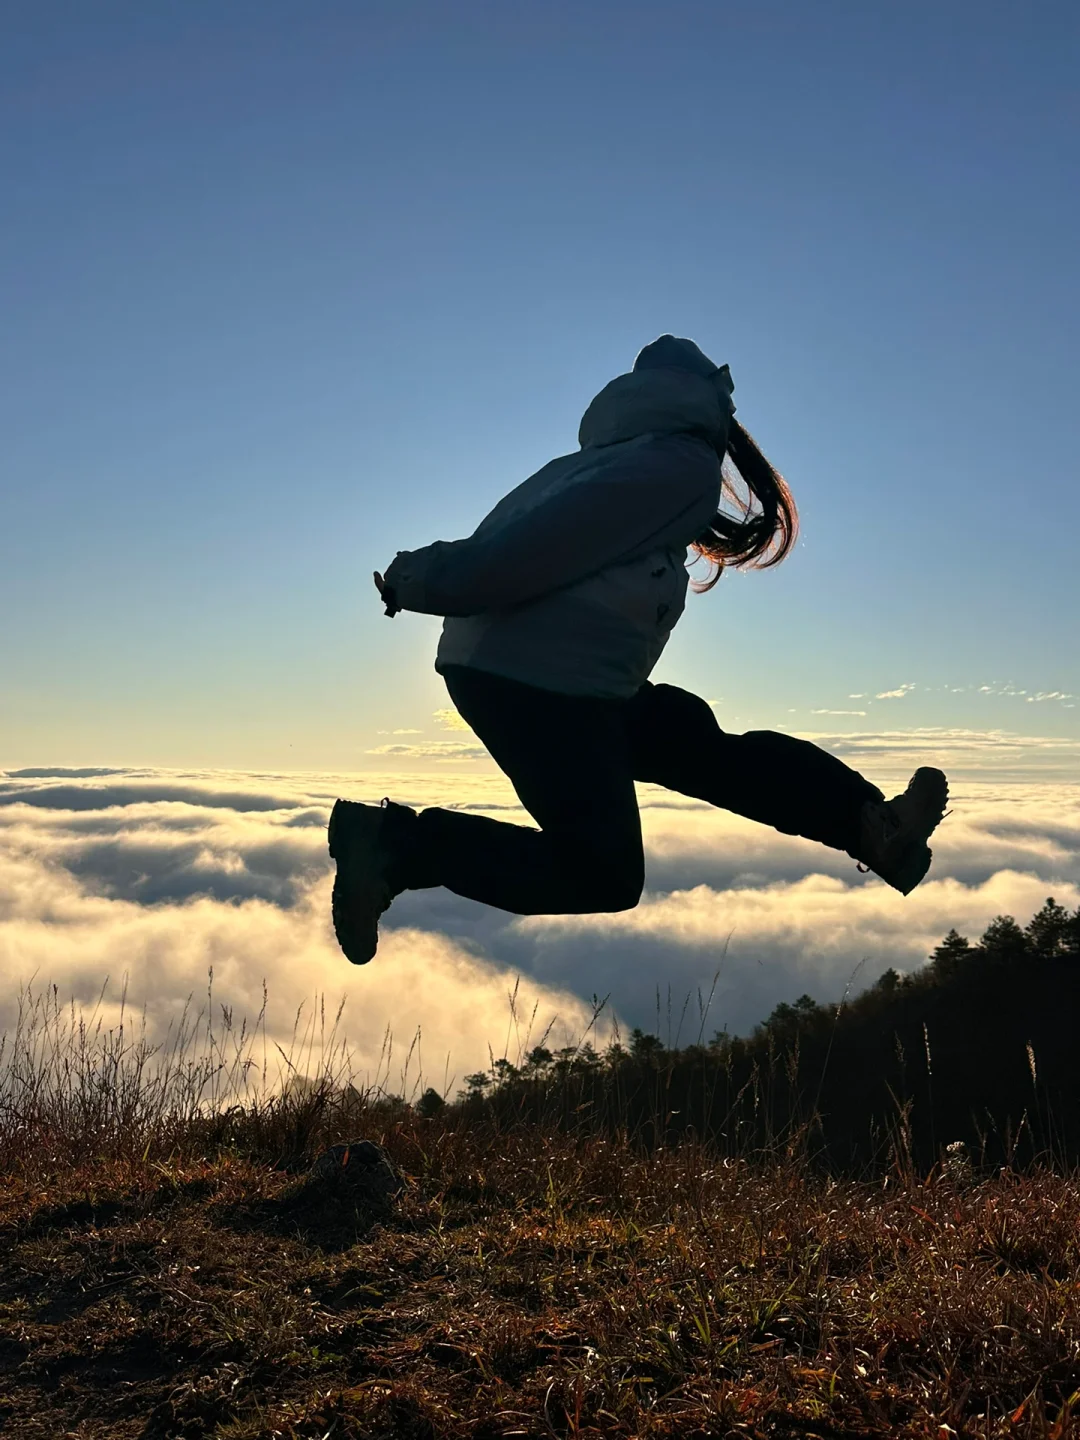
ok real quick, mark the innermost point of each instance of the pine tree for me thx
(1048, 933)
(952, 956)
(644, 1047)
(1003, 942)
(430, 1103)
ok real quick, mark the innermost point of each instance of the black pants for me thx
(573, 762)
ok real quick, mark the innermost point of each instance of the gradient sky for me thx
(286, 288)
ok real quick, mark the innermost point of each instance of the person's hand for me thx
(386, 594)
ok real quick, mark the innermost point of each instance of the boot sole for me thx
(913, 872)
(359, 893)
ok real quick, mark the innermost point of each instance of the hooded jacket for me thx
(575, 580)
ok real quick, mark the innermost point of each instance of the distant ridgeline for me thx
(981, 1046)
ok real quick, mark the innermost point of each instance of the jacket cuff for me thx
(406, 578)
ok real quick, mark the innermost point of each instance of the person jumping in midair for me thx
(557, 609)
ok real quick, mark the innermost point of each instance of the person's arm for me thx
(665, 493)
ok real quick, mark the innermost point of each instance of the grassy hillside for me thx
(536, 1285)
(569, 1254)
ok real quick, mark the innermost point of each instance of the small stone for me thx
(363, 1168)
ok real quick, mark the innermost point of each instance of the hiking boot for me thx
(363, 889)
(894, 832)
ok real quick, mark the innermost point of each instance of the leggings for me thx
(573, 761)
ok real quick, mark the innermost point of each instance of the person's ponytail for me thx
(763, 534)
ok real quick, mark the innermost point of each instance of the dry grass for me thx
(179, 1278)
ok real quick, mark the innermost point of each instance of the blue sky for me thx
(289, 288)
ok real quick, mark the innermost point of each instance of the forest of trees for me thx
(978, 1049)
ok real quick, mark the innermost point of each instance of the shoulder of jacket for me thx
(682, 449)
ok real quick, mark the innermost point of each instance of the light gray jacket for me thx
(575, 580)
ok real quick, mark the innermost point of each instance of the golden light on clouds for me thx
(155, 877)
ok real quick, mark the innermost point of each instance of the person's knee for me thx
(610, 889)
(680, 715)
(624, 896)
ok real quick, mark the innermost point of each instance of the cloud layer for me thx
(152, 881)
(159, 877)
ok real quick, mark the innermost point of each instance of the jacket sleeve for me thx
(665, 493)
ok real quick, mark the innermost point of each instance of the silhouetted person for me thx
(557, 609)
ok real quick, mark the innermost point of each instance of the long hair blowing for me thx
(767, 525)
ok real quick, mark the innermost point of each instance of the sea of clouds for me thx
(151, 879)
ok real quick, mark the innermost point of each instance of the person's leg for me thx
(568, 759)
(790, 784)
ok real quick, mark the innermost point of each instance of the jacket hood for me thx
(667, 400)
(674, 353)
